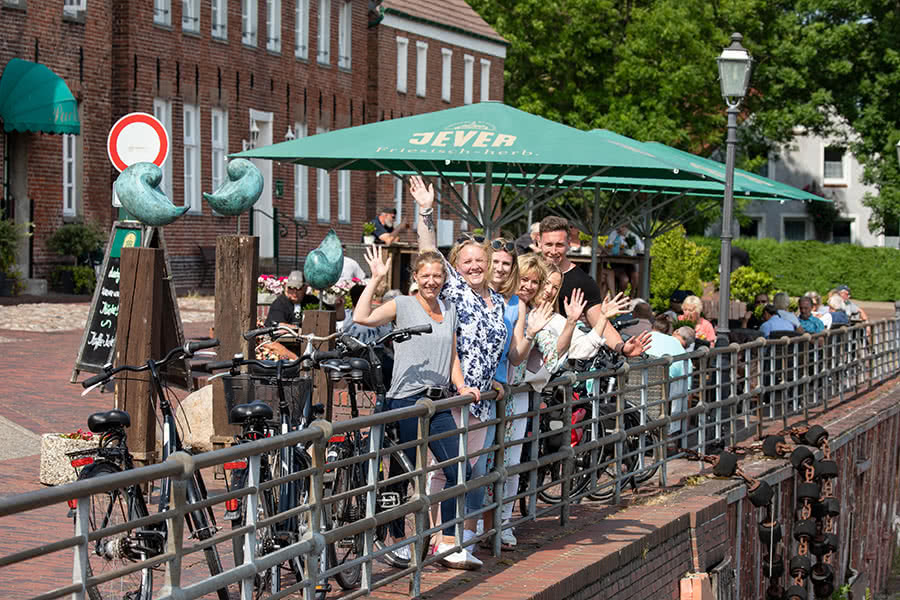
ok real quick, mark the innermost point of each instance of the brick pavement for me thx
(550, 561)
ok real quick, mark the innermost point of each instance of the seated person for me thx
(854, 312)
(774, 324)
(674, 312)
(691, 310)
(808, 321)
(750, 320)
(287, 310)
(623, 241)
(783, 304)
(384, 226)
(644, 314)
(837, 313)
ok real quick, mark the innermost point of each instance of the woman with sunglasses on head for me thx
(423, 363)
(483, 340)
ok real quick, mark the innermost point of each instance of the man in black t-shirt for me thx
(286, 309)
(384, 226)
(554, 232)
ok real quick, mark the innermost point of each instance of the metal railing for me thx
(732, 394)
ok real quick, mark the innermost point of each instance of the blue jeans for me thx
(443, 449)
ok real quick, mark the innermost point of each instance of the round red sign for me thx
(137, 137)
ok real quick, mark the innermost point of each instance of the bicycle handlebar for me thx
(185, 351)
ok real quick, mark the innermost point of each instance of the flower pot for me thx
(56, 467)
(265, 298)
(368, 240)
(586, 250)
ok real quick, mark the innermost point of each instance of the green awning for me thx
(34, 98)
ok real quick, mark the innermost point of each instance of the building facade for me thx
(226, 75)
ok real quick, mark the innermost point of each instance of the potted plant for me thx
(81, 243)
(585, 240)
(56, 464)
(368, 233)
(11, 234)
(268, 287)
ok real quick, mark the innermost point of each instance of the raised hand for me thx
(424, 196)
(380, 269)
(574, 305)
(637, 345)
(614, 306)
(538, 318)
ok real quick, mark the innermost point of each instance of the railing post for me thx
(421, 486)
(500, 465)
(376, 444)
(80, 563)
(251, 512)
(317, 509)
(534, 404)
(621, 384)
(568, 469)
(175, 526)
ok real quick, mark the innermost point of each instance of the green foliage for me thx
(798, 267)
(368, 228)
(82, 276)
(10, 236)
(747, 283)
(676, 266)
(77, 239)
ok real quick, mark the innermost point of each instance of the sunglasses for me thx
(478, 239)
(497, 244)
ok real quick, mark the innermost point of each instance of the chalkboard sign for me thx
(98, 343)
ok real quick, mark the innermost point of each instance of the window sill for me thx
(69, 219)
(221, 40)
(194, 33)
(303, 59)
(74, 17)
(272, 52)
(347, 70)
(835, 183)
(324, 65)
(419, 95)
(249, 46)
(322, 221)
(163, 26)
(13, 4)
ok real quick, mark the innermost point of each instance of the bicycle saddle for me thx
(254, 410)
(102, 422)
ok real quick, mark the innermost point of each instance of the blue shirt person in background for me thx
(774, 323)
(809, 322)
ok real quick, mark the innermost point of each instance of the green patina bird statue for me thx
(138, 190)
(324, 264)
(240, 191)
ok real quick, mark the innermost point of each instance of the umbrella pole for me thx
(645, 260)
(488, 219)
(595, 225)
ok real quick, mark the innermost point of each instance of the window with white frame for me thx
(273, 25)
(192, 157)
(71, 189)
(301, 181)
(834, 166)
(343, 196)
(398, 199)
(219, 143)
(190, 16)
(485, 80)
(162, 12)
(469, 73)
(301, 29)
(402, 58)
(220, 19)
(345, 34)
(446, 65)
(73, 7)
(249, 22)
(323, 191)
(421, 68)
(324, 53)
(162, 110)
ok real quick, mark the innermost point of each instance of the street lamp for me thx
(734, 75)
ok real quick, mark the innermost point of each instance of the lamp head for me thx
(735, 65)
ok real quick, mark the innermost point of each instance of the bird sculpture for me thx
(323, 265)
(240, 191)
(138, 190)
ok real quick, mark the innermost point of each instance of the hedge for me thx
(798, 267)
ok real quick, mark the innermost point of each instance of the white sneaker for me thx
(468, 534)
(403, 553)
(461, 559)
(507, 538)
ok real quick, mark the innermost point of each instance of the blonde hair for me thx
(550, 269)
(692, 303)
(453, 256)
(533, 263)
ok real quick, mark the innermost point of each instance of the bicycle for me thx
(361, 366)
(282, 483)
(124, 505)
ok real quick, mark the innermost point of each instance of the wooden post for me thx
(138, 336)
(237, 264)
(320, 323)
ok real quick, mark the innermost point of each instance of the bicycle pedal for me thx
(388, 500)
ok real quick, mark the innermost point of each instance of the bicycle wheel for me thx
(113, 552)
(395, 464)
(652, 454)
(343, 512)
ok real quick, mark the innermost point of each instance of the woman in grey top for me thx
(422, 362)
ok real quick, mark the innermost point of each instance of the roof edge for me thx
(400, 13)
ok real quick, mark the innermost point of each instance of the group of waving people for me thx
(498, 319)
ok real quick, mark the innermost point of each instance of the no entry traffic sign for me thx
(137, 137)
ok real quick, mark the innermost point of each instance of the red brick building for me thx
(222, 75)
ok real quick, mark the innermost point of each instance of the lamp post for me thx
(734, 76)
